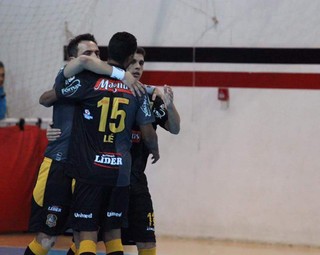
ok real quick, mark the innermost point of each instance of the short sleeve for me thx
(73, 88)
(144, 115)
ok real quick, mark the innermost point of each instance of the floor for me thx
(168, 246)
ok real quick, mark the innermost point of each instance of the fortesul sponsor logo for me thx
(114, 214)
(83, 215)
(70, 89)
(111, 85)
(54, 208)
(108, 160)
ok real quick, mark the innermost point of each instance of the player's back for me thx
(101, 139)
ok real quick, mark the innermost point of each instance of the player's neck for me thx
(115, 63)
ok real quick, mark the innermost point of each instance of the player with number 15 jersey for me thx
(105, 113)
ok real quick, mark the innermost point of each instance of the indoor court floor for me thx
(14, 244)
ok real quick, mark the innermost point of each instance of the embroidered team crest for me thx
(51, 220)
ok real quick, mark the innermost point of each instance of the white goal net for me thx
(33, 33)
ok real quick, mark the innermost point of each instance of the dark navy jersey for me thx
(104, 116)
(139, 150)
(62, 118)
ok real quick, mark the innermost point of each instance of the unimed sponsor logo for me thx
(114, 214)
(83, 215)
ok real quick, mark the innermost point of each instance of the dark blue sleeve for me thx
(73, 89)
(60, 79)
(144, 114)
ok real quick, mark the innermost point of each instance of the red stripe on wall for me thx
(233, 79)
(165, 77)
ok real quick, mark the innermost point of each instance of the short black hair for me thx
(72, 48)
(141, 51)
(121, 46)
(1, 64)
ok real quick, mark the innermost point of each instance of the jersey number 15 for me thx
(116, 113)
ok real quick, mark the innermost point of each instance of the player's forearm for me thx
(173, 119)
(92, 64)
(151, 141)
(95, 65)
(48, 98)
(150, 138)
(153, 147)
(75, 66)
(84, 62)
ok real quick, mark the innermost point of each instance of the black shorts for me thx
(51, 199)
(140, 222)
(97, 207)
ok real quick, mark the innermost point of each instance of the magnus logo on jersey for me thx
(71, 88)
(111, 85)
(110, 160)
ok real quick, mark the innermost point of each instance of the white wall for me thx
(249, 172)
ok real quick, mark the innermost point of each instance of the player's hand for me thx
(53, 134)
(157, 92)
(168, 96)
(135, 86)
(155, 156)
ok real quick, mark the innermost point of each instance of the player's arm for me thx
(96, 65)
(145, 118)
(150, 139)
(48, 98)
(173, 122)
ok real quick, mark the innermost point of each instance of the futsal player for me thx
(141, 229)
(99, 156)
(52, 193)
